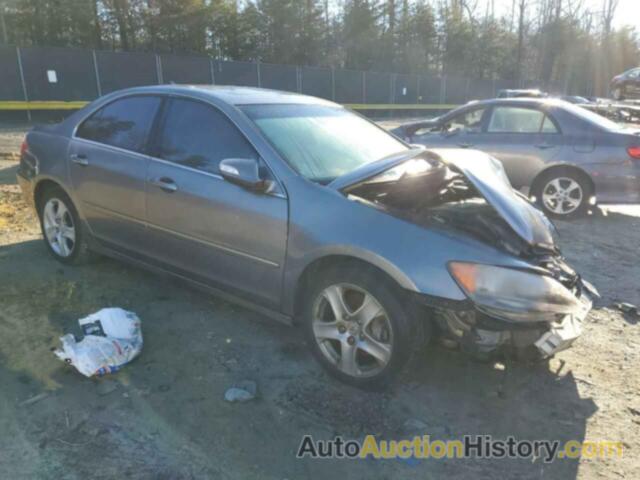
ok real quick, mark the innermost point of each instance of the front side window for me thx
(197, 135)
(322, 142)
(124, 123)
(469, 122)
(520, 120)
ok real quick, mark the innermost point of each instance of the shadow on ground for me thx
(164, 415)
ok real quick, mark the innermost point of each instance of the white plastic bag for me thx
(112, 338)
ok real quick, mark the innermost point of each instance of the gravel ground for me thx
(164, 416)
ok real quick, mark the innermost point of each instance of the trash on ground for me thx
(241, 392)
(112, 338)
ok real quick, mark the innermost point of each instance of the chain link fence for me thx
(67, 74)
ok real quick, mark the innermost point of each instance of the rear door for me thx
(200, 224)
(523, 138)
(108, 169)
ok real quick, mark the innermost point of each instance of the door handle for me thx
(80, 159)
(166, 184)
(465, 145)
(544, 146)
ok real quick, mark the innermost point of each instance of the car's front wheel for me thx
(61, 227)
(563, 194)
(358, 325)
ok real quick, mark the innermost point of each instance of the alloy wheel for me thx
(353, 330)
(59, 229)
(562, 195)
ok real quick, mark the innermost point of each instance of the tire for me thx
(563, 194)
(618, 93)
(61, 227)
(391, 331)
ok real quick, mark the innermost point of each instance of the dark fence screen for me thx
(126, 69)
(69, 74)
(235, 73)
(430, 89)
(10, 85)
(317, 82)
(378, 87)
(185, 69)
(348, 86)
(279, 77)
(406, 89)
(59, 74)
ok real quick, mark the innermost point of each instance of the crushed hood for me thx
(484, 172)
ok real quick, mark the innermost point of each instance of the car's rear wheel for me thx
(358, 326)
(563, 194)
(618, 93)
(61, 227)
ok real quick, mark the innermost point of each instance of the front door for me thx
(199, 223)
(108, 169)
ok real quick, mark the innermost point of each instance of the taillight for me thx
(634, 152)
(24, 148)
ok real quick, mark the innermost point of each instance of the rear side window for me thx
(124, 123)
(197, 135)
(520, 120)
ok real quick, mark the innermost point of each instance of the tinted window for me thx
(124, 123)
(199, 136)
(519, 120)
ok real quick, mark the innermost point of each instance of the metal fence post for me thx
(97, 71)
(212, 71)
(364, 87)
(392, 98)
(299, 79)
(24, 85)
(333, 84)
(418, 97)
(159, 69)
(443, 88)
(258, 73)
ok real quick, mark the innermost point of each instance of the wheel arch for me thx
(536, 183)
(43, 185)
(303, 281)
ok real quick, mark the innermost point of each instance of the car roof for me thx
(234, 95)
(550, 101)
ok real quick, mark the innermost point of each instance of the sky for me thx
(627, 13)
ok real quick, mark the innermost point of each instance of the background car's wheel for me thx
(617, 93)
(563, 193)
(359, 326)
(61, 227)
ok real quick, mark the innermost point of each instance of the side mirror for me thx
(244, 172)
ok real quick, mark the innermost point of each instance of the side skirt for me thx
(225, 295)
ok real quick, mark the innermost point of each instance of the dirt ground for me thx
(164, 415)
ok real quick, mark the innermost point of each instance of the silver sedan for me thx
(565, 156)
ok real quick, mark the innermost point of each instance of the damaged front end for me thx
(526, 313)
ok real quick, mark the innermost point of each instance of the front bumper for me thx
(484, 336)
(561, 336)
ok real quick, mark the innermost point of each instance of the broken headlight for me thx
(514, 294)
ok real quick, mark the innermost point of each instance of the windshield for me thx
(322, 142)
